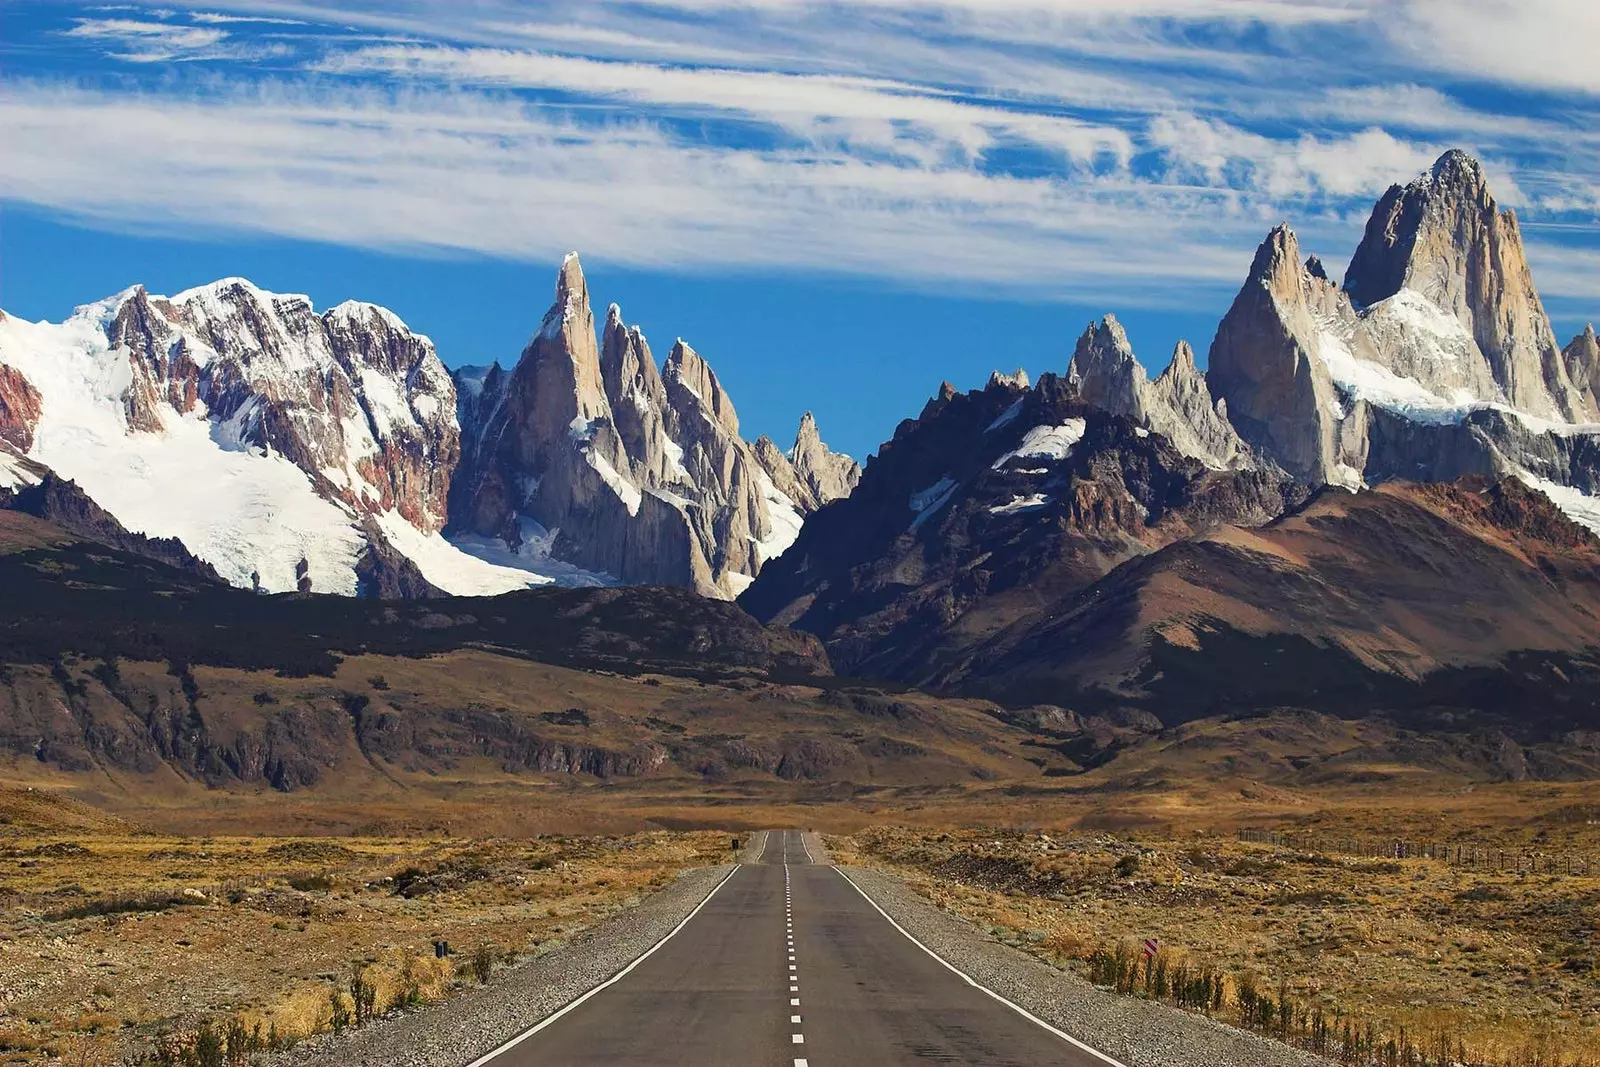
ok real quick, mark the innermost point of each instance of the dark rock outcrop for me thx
(991, 503)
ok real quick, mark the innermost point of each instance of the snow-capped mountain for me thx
(290, 449)
(586, 451)
(997, 513)
(296, 450)
(285, 448)
(1435, 359)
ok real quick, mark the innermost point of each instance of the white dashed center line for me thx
(788, 930)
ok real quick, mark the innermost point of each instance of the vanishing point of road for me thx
(788, 964)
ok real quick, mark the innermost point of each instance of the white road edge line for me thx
(805, 845)
(613, 980)
(1019, 1009)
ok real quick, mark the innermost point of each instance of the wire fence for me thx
(1467, 854)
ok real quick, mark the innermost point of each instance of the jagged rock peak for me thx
(688, 369)
(1106, 372)
(1182, 360)
(1442, 240)
(571, 304)
(936, 403)
(1267, 360)
(1278, 256)
(826, 475)
(1315, 268)
(1456, 170)
(1582, 355)
(563, 361)
(1017, 380)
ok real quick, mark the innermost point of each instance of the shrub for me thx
(482, 963)
(363, 994)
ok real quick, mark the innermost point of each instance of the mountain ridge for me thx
(293, 449)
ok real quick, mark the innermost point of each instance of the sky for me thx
(839, 204)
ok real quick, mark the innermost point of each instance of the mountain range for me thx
(1378, 502)
(239, 432)
(336, 453)
(1378, 497)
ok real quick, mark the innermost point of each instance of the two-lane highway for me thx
(787, 964)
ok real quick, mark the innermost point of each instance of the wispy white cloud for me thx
(149, 42)
(1547, 44)
(1136, 148)
(892, 116)
(468, 171)
(217, 18)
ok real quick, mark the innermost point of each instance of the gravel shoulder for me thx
(1136, 1032)
(452, 1032)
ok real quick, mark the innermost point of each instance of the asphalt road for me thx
(786, 963)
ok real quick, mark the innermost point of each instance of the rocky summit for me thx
(293, 450)
(1354, 461)
(586, 452)
(331, 452)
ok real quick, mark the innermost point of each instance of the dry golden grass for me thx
(109, 939)
(1503, 961)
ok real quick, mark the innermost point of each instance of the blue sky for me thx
(839, 204)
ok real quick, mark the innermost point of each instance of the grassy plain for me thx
(112, 936)
(1507, 963)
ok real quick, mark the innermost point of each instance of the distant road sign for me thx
(1151, 947)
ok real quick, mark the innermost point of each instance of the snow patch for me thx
(927, 502)
(679, 502)
(240, 511)
(531, 559)
(674, 453)
(1021, 503)
(784, 520)
(12, 473)
(1007, 416)
(739, 583)
(1046, 442)
(448, 566)
(385, 400)
(626, 491)
(1577, 505)
(1382, 387)
(426, 406)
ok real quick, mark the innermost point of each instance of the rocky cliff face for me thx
(20, 405)
(277, 444)
(1582, 356)
(1269, 361)
(825, 475)
(1178, 404)
(588, 453)
(1434, 361)
(1444, 241)
(351, 397)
